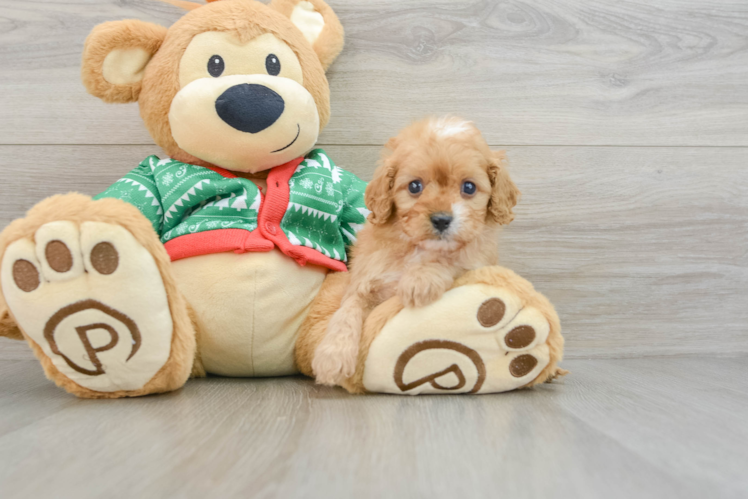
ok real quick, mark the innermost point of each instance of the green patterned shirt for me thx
(312, 209)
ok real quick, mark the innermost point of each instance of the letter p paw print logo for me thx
(72, 322)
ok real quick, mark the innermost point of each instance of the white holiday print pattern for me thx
(322, 193)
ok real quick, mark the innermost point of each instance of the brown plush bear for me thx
(227, 257)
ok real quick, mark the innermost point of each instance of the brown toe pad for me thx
(522, 365)
(491, 312)
(520, 337)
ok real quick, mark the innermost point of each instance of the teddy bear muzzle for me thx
(245, 123)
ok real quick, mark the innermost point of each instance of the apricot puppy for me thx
(437, 201)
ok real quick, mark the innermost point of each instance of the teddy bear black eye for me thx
(272, 65)
(216, 66)
(468, 188)
(415, 187)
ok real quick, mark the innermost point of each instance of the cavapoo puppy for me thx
(437, 201)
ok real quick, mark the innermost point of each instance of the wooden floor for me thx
(655, 427)
(626, 128)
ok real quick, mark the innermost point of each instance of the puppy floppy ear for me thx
(379, 193)
(319, 25)
(115, 56)
(504, 193)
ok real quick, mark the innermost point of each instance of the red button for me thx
(270, 228)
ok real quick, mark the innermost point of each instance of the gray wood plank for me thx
(18, 380)
(642, 250)
(672, 399)
(659, 427)
(528, 72)
(14, 350)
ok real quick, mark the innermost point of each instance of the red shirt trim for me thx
(268, 234)
(216, 241)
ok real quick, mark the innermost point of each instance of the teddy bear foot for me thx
(492, 334)
(93, 303)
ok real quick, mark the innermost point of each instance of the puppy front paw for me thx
(421, 290)
(334, 362)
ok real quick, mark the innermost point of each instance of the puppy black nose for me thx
(250, 107)
(441, 221)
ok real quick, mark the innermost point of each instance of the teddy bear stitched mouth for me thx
(298, 132)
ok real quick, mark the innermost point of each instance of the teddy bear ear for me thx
(115, 56)
(319, 24)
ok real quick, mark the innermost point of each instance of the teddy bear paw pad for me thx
(475, 339)
(93, 299)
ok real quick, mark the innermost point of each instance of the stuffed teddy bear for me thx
(228, 257)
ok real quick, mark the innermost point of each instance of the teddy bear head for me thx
(235, 84)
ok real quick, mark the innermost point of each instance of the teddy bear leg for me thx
(90, 286)
(492, 332)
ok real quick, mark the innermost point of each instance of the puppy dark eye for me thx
(468, 188)
(216, 66)
(415, 187)
(272, 65)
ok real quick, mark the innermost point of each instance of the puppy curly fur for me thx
(400, 252)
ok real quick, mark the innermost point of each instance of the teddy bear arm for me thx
(354, 212)
(139, 189)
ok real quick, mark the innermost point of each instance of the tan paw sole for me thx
(475, 339)
(92, 298)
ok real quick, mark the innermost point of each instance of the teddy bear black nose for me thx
(250, 107)
(441, 221)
